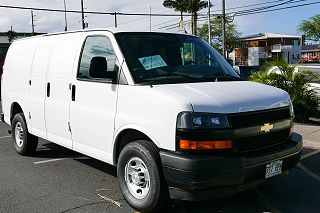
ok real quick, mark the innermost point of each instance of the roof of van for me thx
(111, 29)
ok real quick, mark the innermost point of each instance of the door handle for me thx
(48, 89)
(73, 92)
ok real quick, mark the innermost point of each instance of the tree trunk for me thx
(194, 23)
(181, 25)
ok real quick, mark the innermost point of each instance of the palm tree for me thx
(305, 101)
(177, 5)
(11, 35)
(193, 7)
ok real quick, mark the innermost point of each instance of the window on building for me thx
(262, 44)
(296, 42)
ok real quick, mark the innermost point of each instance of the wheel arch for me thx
(124, 137)
(15, 108)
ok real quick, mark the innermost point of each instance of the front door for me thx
(94, 97)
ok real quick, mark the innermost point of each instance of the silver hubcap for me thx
(137, 178)
(19, 134)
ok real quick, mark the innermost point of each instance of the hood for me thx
(229, 97)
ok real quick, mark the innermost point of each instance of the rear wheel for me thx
(141, 178)
(24, 142)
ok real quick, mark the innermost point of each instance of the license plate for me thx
(273, 168)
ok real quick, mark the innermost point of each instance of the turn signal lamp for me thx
(204, 145)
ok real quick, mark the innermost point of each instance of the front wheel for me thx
(141, 178)
(24, 142)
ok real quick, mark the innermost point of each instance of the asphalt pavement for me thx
(60, 180)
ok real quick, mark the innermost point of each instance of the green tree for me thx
(11, 35)
(193, 7)
(305, 101)
(190, 6)
(311, 27)
(177, 5)
(232, 34)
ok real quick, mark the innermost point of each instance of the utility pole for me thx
(32, 22)
(82, 15)
(115, 20)
(65, 16)
(209, 25)
(224, 28)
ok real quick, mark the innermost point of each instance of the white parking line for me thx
(310, 173)
(8, 136)
(48, 161)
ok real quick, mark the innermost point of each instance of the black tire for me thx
(157, 198)
(26, 144)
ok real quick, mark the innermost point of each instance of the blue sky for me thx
(284, 21)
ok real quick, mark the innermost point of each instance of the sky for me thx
(283, 21)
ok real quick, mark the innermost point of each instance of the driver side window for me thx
(98, 60)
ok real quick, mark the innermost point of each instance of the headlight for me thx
(200, 120)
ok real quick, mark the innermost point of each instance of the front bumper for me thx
(199, 177)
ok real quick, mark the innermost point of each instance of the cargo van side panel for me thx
(58, 91)
(16, 75)
(38, 86)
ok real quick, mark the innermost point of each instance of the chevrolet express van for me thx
(166, 109)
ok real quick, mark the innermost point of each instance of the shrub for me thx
(305, 101)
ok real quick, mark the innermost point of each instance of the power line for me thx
(201, 16)
(276, 9)
(264, 11)
(93, 12)
(172, 20)
(266, 7)
(250, 10)
(249, 5)
(139, 19)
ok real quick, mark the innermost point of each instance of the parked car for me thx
(246, 71)
(166, 109)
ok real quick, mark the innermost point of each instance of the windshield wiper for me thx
(222, 76)
(173, 75)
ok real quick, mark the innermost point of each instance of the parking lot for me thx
(59, 180)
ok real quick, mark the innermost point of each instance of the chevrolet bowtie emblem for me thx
(266, 127)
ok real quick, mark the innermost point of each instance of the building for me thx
(254, 50)
(310, 53)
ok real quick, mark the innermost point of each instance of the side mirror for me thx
(99, 68)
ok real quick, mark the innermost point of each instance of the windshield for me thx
(160, 58)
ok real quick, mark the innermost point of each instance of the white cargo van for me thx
(166, 109)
